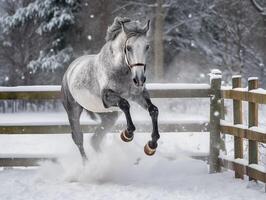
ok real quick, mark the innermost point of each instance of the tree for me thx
(33, 38)
(158, 41)
(222, 32)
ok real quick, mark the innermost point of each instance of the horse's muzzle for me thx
(139, 82)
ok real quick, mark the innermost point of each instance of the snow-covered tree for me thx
(222, 31)
(33, 37)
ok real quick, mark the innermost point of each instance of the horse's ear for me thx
(147, 26)
(124, 28)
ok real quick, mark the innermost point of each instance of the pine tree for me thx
(33, 39)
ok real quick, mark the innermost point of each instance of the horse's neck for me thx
(117, 49)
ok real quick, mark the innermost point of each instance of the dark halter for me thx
(130, 66)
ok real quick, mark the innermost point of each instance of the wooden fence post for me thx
(238, 119)
(222, 116)
(252, 121)
(215, 113)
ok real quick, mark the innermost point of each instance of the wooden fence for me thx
(252, 132)
(53, 92)
(214, 92)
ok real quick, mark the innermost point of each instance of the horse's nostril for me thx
(144, 79)
(135, 81)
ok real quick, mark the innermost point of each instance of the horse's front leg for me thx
(145, 101)
(111, 98)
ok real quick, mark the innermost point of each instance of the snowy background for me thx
(38, 40)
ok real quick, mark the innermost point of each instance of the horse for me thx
(102, 84)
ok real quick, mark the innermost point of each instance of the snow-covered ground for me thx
(122, 171)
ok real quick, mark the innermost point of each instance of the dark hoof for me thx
(126, 137)
(148, 150)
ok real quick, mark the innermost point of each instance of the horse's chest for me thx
(90, 101)
(86, 98)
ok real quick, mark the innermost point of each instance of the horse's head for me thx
(130, 39)
(135, 48)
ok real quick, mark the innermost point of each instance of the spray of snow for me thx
(118, 162)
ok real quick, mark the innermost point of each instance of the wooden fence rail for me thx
(251, 132)
(53, 92)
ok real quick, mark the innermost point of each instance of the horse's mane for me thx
(133, 28)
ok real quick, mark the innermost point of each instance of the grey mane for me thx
(133, 28)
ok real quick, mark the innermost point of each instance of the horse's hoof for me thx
(125, 136)
(148, 150)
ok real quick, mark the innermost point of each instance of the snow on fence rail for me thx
(252, 132)
(164, 90)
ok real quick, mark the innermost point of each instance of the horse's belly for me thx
(90, 101)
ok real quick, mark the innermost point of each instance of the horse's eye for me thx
(147, 47)
(129, 48)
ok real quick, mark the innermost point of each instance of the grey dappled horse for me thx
(103, 83)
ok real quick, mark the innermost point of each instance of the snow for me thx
(216, 113)
(236, 76)
(122, 171)
(241, 89)
(253, 78)
(176, 86)
(244, 162)
(60, 118)
(257, 129)
(258, 167)
(241, 161)
(89, 37)
(215, 74)
(226, 87)
(34, 88)
(150, 86)
(216, 71)
(259, 91)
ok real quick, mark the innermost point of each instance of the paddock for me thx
(216, 125)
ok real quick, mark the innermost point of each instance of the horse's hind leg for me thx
(107, 122)
(74, 111)
(77, 135)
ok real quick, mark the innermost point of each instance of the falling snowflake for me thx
(6, 78)
(22, 77)
(216, 113)
(202, 75)
(86, 4)
(89, 37)
(92, 16)
(190, 15)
